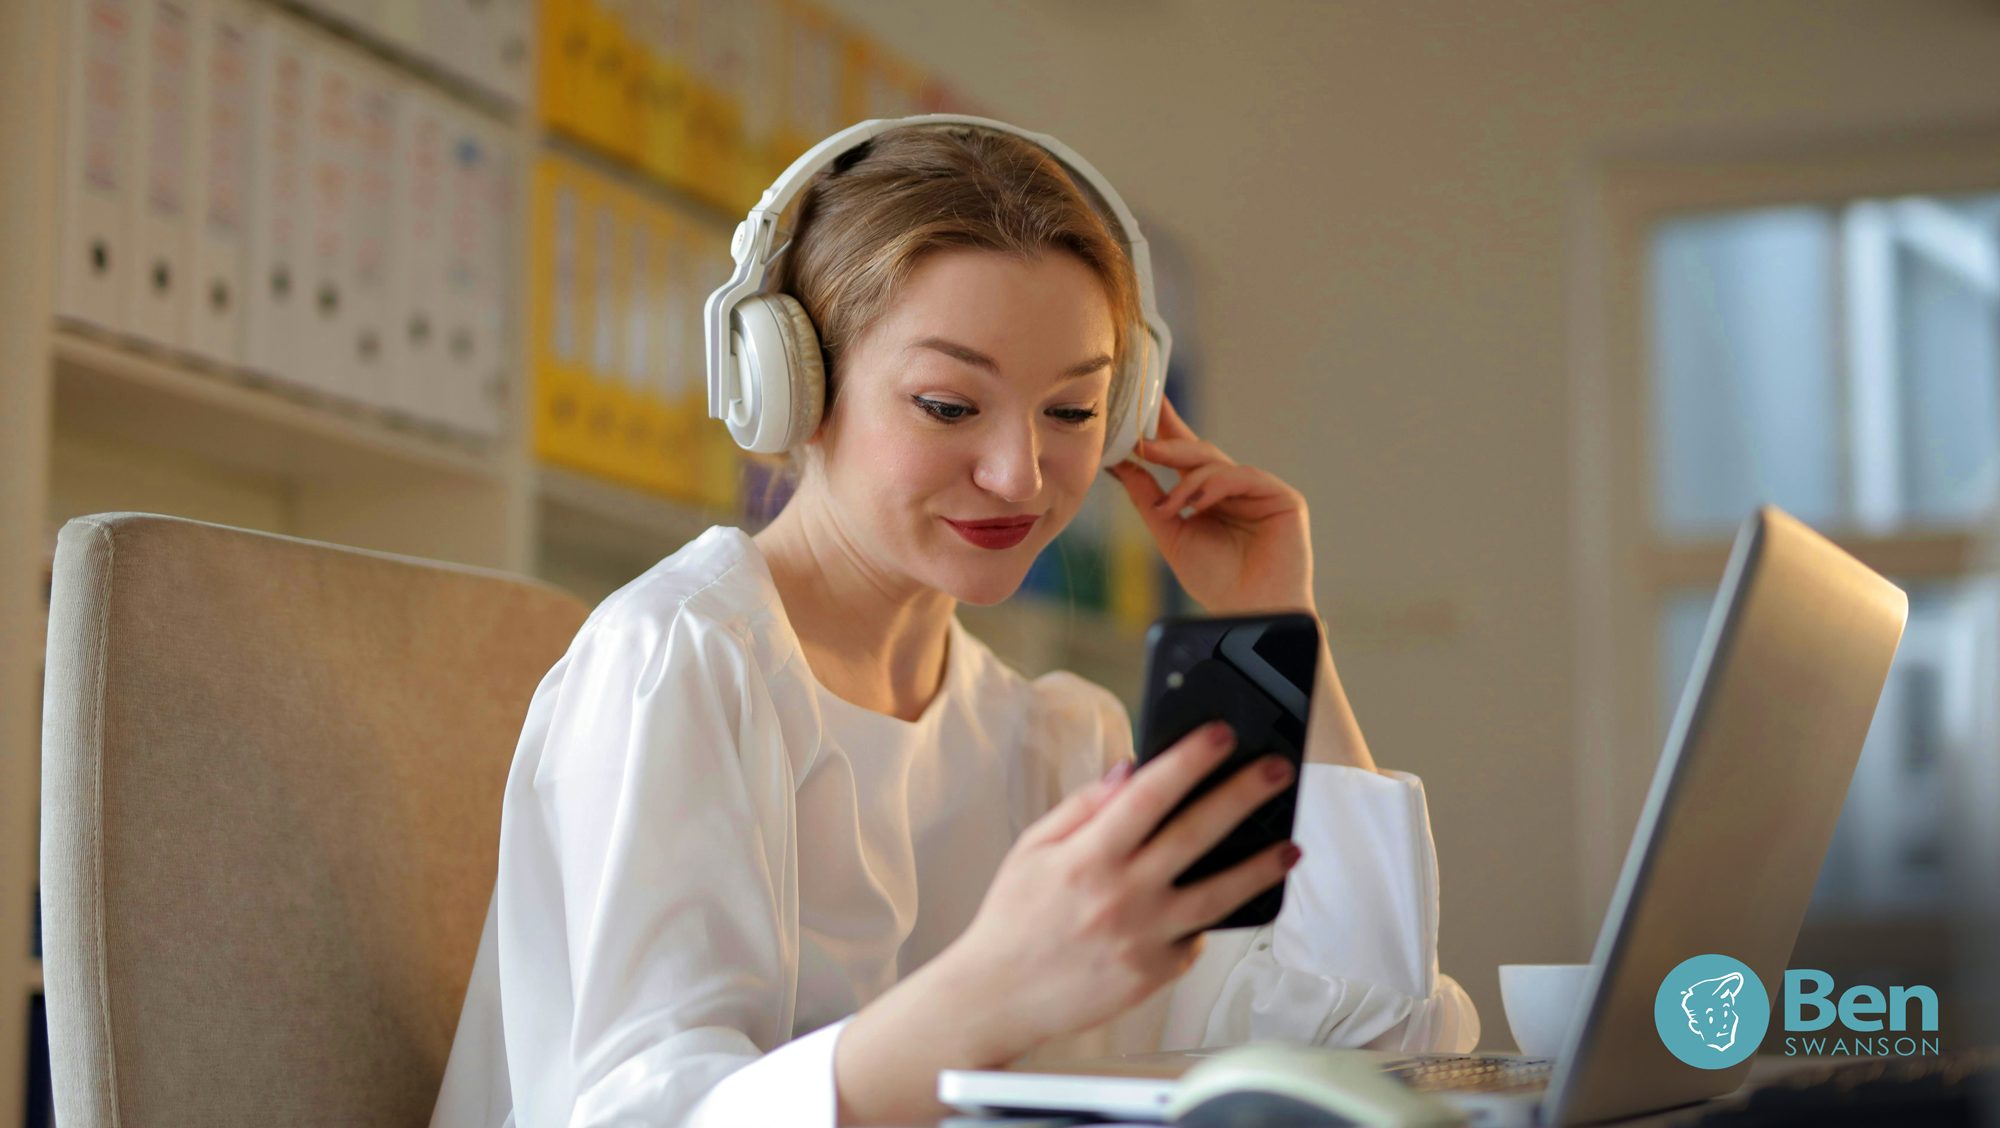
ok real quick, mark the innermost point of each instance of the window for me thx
(1842, 360)
(1837, 360)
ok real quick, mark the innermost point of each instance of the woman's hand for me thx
(1083, 920)
(1245, 547)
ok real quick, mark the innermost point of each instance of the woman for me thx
(781, 840)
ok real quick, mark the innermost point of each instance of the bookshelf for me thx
(123, 392)
(93, 420)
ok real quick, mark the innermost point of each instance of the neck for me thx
(873, 636)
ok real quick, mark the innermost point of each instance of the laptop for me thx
(1728, 847)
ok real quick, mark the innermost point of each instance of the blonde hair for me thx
(866, 221)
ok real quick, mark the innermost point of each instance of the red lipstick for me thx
(999, 532)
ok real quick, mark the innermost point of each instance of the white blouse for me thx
(708, 862)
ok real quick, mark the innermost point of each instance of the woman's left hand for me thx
(1246, 546)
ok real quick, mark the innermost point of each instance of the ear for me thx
(1729, 986)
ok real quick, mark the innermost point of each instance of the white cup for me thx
(1542, 1002)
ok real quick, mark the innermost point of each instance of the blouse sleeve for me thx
(1351, 959)
(663, 804)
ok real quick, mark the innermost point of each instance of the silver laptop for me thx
(1724, 858)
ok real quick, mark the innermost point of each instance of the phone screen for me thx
(1256, 672)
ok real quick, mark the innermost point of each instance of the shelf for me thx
(132, 394)
(602, 519)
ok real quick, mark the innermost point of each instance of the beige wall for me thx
(1374, 196)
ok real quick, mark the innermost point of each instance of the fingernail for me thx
(1221, 735)
(1118, 771)
(1277, 769)
(1194, 498)
(1289, 856)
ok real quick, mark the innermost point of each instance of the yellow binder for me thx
(565, 53)
(636, 408)
(603, 400)
(678, 382)
(761, 99)
(721, 469)
(560, 302)
(602, 90)
(662, 98)
(625, 100)
(854, 54)
(810, 61)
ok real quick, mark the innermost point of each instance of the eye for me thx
(1074, 414)
(942, 410)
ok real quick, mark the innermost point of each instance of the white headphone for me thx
(764, 372)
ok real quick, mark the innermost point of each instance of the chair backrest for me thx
(272, 773)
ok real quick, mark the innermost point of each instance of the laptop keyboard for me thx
(1471, 1074)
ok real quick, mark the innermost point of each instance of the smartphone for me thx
(1256, 672)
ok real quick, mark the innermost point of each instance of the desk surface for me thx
(1764, 1069)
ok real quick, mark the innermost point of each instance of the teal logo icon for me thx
(1712, 1011)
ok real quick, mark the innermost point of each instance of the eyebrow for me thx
(979, 359)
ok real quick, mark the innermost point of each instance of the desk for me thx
(1764, 1069)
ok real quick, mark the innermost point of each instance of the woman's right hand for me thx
(1083, 920)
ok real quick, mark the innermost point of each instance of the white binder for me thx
(219, 181)
(485, 42)
(499, 42)
(276, 326)
(493, 285)
(511, 45)
(97, 163)
(332, 130)
(416, 253)
(478, 216)
(157, 207)
(370, 233)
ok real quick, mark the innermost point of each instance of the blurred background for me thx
(1533, 300)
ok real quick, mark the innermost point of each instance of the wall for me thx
(1375, 197)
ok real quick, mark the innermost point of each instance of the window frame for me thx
(1624, 569)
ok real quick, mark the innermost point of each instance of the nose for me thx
(1010, 466)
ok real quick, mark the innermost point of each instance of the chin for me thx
(983, 587)
(982, 580)
(988, 594)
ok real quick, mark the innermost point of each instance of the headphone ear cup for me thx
(779, 364)
(803, 360)
(1122, 439)
(1140, 414)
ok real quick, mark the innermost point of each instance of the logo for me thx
(1909, 1014)
(1712, 1011)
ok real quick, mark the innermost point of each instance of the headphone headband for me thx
(751, 248)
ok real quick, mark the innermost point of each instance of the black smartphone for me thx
(1256, 672)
